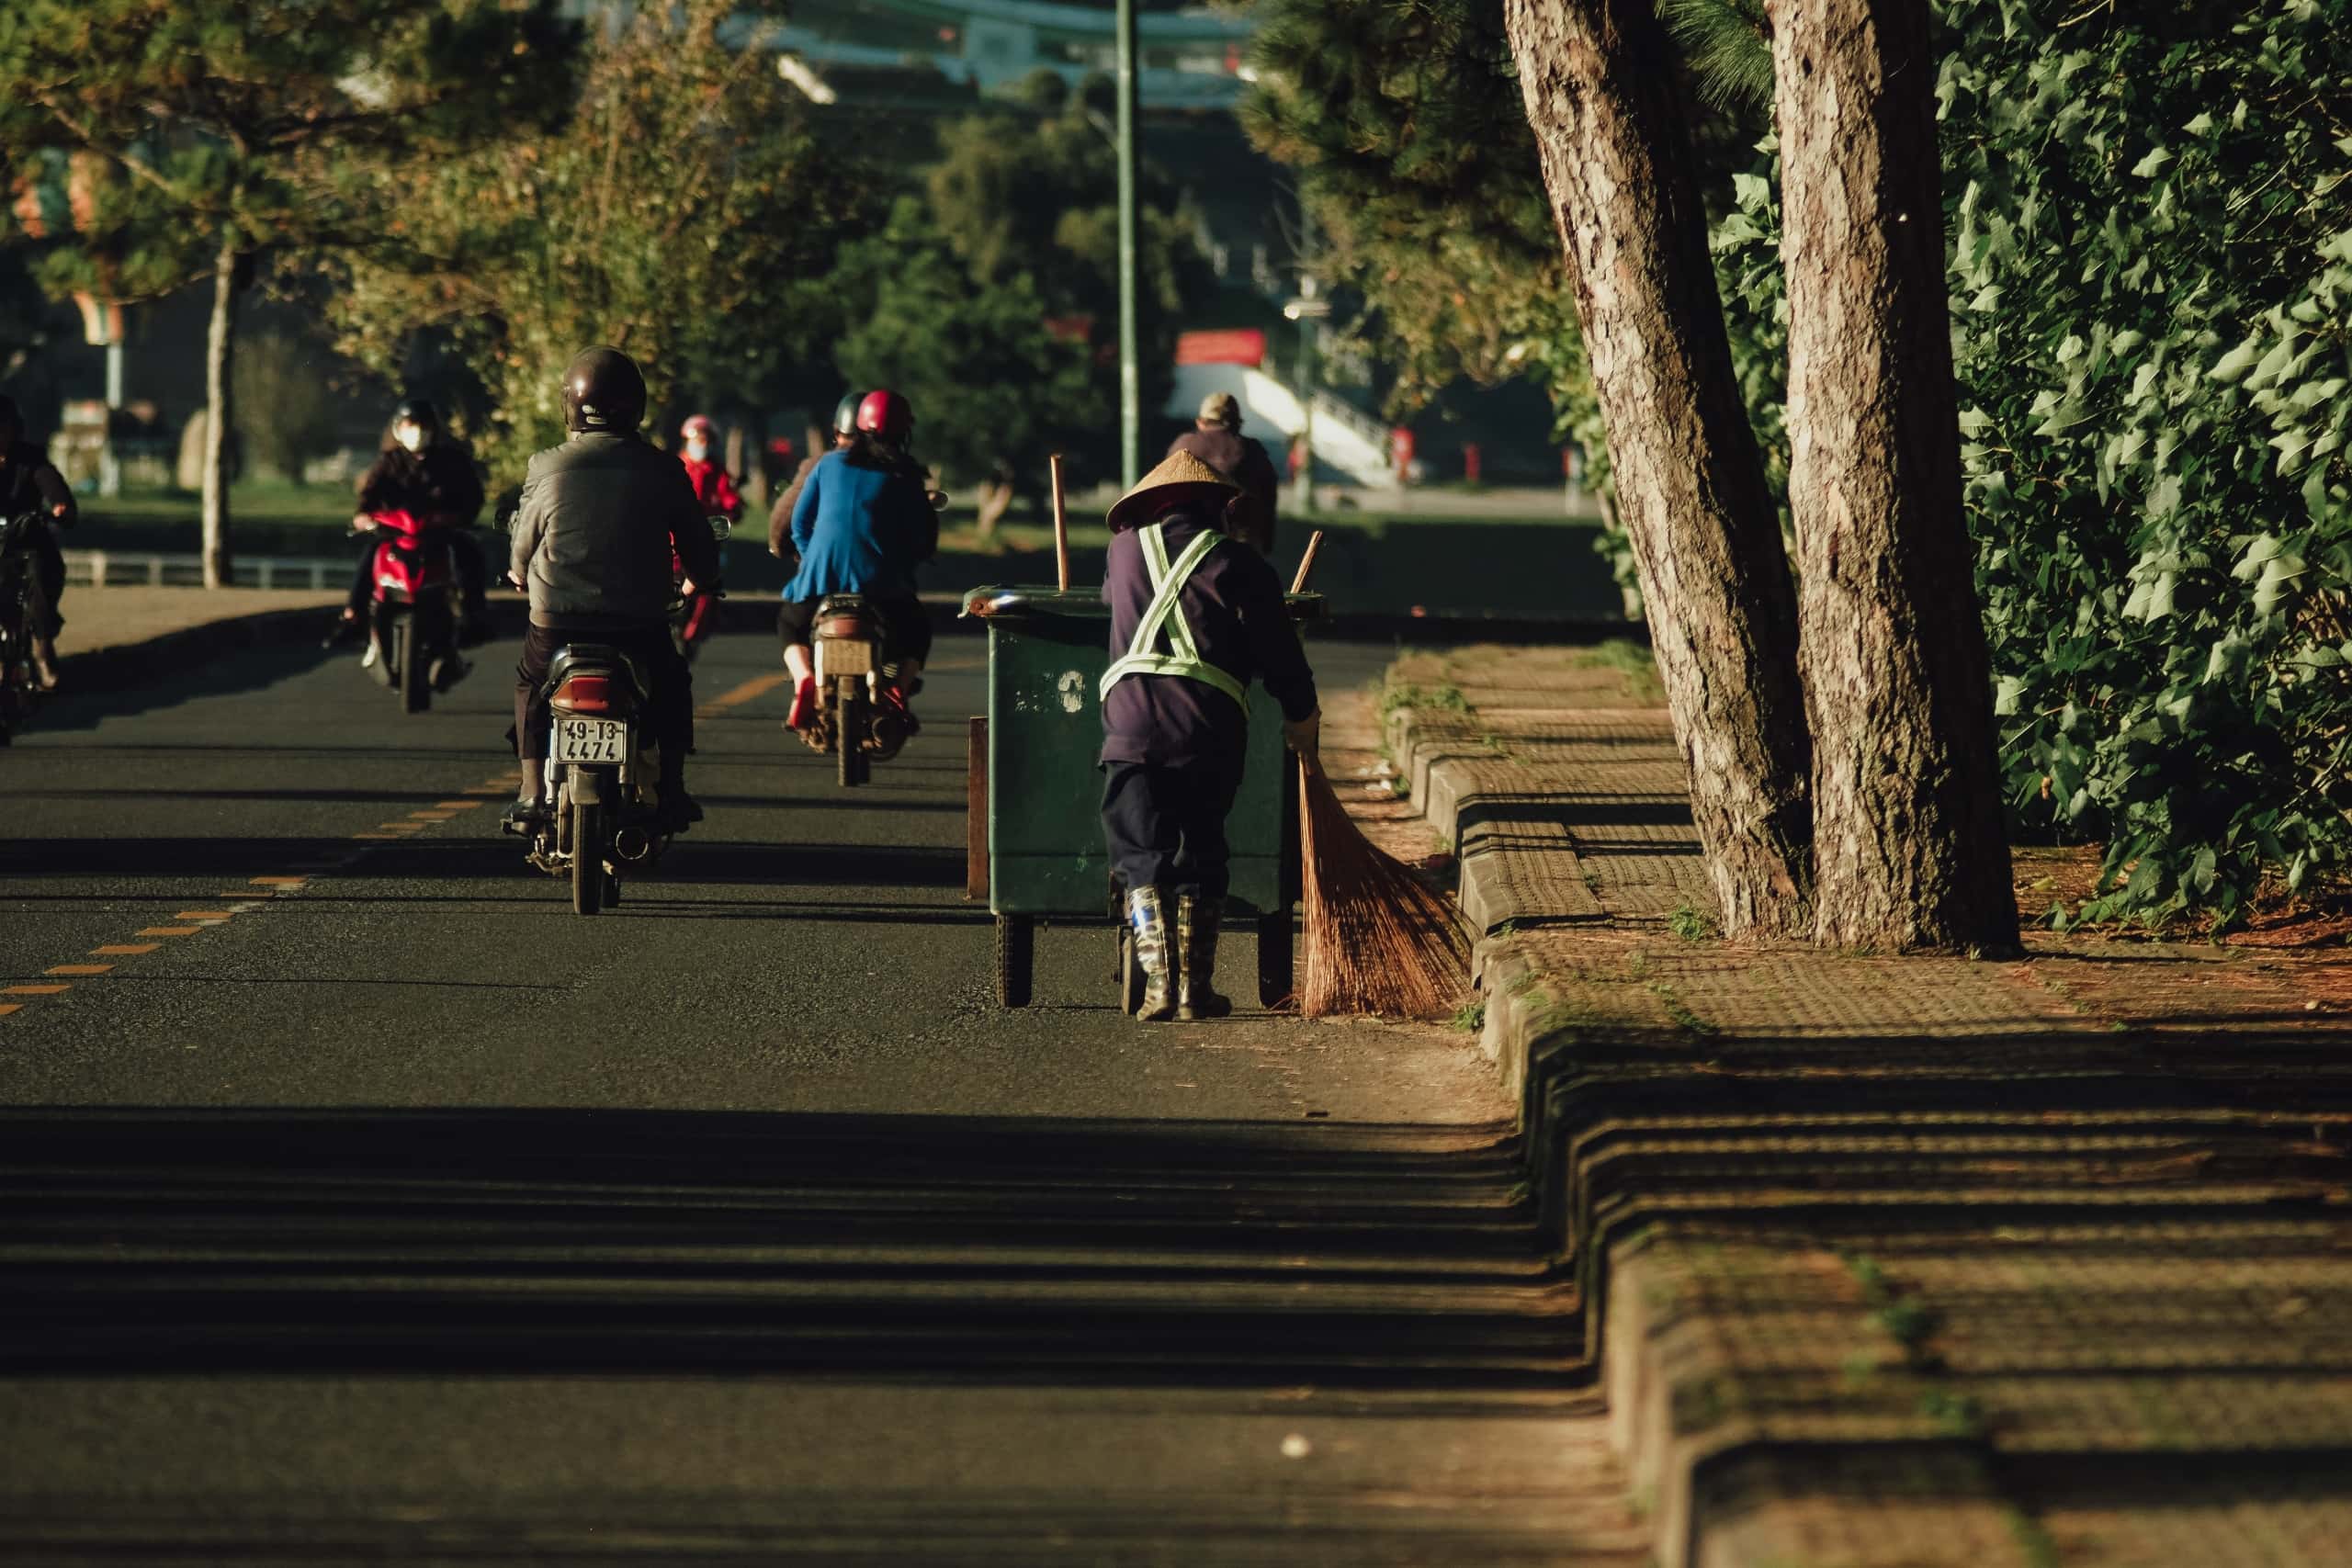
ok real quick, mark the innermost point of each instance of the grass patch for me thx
(1691, 923)
(1470, 1017)
(1631, 660)
(1396, 695)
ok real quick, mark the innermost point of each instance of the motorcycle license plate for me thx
(847, 656)
(590, 739)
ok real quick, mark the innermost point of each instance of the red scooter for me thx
(412, 627)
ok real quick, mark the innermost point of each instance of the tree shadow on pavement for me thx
(1351, 1255)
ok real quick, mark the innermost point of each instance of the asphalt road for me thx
(356, 1197)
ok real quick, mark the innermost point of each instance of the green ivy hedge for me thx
(2151, 228)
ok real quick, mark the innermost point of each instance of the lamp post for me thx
(1130, 381)
(1306, 309)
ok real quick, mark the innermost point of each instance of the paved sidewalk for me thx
(99, 618)
(1901, 1261)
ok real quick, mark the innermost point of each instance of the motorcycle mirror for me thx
(720, 528)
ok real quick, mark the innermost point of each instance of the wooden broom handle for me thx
(1307, 563)
(1061, 526)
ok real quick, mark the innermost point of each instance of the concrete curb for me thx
(1724, 1484)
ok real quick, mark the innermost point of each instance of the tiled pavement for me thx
(1903, 1261)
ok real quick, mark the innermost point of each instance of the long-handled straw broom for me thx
(1379, 940)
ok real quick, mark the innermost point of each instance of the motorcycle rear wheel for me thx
(849, 740)
(408, 646)
(587, 857)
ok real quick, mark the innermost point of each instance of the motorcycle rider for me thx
(602, 517)
(861, 525)
(714, 486)
(780, 514)
(30, 482)
(1195, 614)
(427, 474)
(1215, 439)
(715, 490)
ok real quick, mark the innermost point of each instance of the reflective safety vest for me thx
(1184, 658)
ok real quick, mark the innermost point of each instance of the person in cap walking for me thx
(1216, 438)
(1194, 618)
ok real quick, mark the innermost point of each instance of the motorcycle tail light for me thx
(586, 694)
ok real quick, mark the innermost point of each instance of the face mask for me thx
(410, 437)
(697, 448)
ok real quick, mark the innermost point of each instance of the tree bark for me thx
(1600, 86)
(220, 352)
(1908, 847)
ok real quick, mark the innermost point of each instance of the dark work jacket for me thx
(439, 479)
(602, 516)
(30, 482)
(1244, 461)
(1233, 603)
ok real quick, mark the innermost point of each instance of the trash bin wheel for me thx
(1276, 961)
(1016, 951)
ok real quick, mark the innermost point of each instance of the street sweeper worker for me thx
(1195, 616)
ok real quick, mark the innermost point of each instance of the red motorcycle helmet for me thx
(886, 414)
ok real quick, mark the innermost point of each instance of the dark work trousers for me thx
(1165, 823)
(49, 571)
(670, 712)
(465, 559)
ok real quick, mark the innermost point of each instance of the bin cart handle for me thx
(1307, 563)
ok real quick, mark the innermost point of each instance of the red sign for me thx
(1232, 345)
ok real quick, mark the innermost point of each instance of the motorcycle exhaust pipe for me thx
(632, 843)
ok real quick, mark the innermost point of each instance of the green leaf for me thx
(2147, 167)
(2238, 361)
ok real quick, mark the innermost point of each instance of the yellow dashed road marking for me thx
(7, 1007)
(757, 685)
(279, 881)
(430, 815)
(118, 949)
(33, 990)
(204, 914)
(81, 968)
(458, 805)
(169, 930)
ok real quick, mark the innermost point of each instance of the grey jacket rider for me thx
(600, 517)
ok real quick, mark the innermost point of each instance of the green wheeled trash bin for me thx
(1037, 788)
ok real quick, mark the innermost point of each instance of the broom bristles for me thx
(1379, 940)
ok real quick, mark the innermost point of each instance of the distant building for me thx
(1192, 58)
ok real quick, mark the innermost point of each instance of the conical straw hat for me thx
(1181, 473)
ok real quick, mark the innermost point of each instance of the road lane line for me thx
(33, 990)
(458, 805)
(80, 968)
(7, 1007)
(430, 815)
(758, 685)
(204, 914)
(279, 881)
(168, 931)
(125, 950)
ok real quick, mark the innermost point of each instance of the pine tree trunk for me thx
(1599, 86)
(219, 349)
(1908, 845)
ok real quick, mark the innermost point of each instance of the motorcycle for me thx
(603, 765)
(413, 623)
(692, 621)
(856, 720)
(21, 607)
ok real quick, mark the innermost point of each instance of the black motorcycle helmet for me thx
(417, 412)
(845, 414)
(603, 390)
